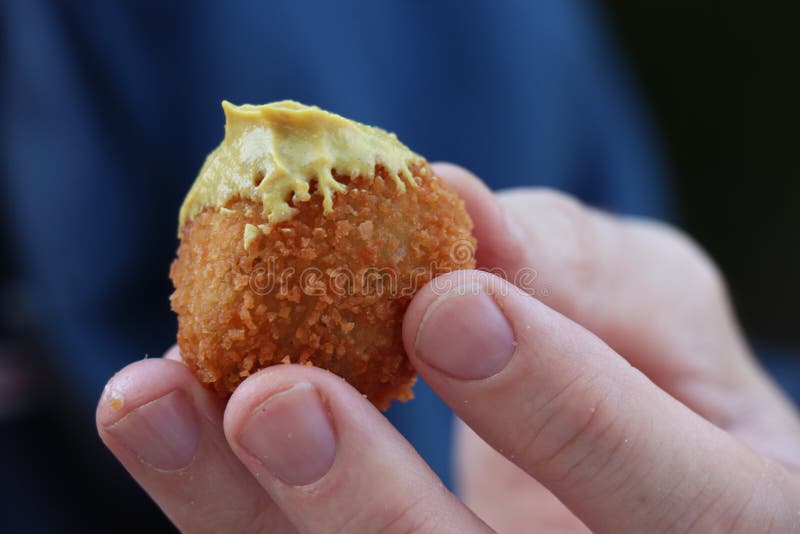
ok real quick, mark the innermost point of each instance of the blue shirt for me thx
(109, 109)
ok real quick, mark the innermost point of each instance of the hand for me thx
(624, 389)
(692, 437)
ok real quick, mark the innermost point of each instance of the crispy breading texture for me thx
(328, 290)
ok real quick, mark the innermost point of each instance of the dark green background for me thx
(721, 82)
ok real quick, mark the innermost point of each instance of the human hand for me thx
(610, 440)
(624, 449)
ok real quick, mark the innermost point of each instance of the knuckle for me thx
(572, 222)
(414, 517)
(710, 281)
(575, 434)
(738, 506)
(556, 199)
(701, 274)
(571, 213)
(256, 514)
(780, 500)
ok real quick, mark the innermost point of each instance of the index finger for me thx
(634, 283)
(166, 430)
(558, 402)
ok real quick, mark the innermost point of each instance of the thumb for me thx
(619, 452)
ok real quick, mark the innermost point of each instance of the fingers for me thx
(331, 461)
(173, 354)
(504, 495)
(630, 282)
(558, 402)
(500, 240)
(166, 429)
(634, 284)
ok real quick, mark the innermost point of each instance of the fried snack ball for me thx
(324, 289)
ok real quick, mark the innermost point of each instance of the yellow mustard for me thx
(271, 153)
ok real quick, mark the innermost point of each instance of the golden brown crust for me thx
(321, 289)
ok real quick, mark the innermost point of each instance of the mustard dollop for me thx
(272, 153)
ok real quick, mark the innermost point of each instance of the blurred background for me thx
(677, 110)
(721, 85)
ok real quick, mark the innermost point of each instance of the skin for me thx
(611, 390)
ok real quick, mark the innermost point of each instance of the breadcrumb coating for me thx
(324, 289)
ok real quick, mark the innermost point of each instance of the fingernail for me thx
(163, 433)
(465, 335)
(292, 436)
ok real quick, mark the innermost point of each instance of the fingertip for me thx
(328, 457)
(473, 191)
(138, 383)
(337, 395)
(456, 175)
(499, 238)
(423, 300)
(148, 416)
(174, 354)
(165, 428)
(254, 390)
(441, 288)
(457, 326)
